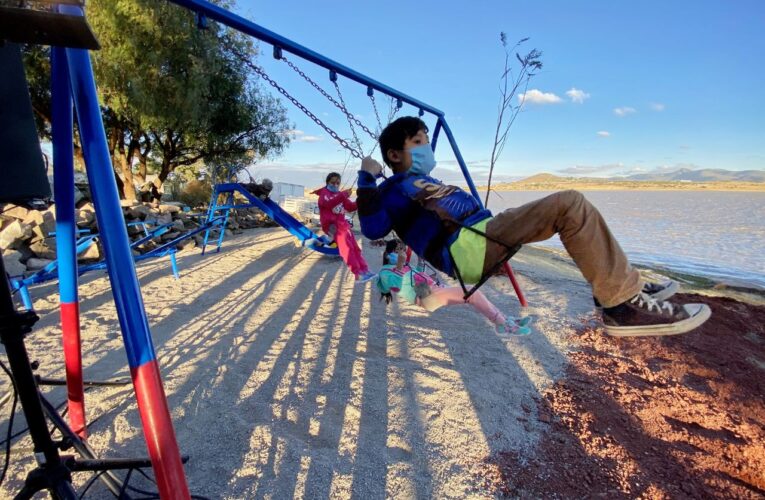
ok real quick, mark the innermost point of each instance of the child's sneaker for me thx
(365, 276)
(656, 291)
(510, 329)
(644, 316)
(524, 321)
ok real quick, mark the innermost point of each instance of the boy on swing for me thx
(448, 227)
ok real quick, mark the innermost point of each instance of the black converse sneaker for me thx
(657, 291)
(644, 316)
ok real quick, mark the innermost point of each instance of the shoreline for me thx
(691, 283)
(561, 185)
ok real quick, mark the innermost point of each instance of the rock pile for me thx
(28, 243)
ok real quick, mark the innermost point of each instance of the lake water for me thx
(720, 235)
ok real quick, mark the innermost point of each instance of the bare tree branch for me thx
(507, 112)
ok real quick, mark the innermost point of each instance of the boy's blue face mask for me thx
(423, 161)
(392, 258)
(333, 188)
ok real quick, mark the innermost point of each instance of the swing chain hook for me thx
(377, 113)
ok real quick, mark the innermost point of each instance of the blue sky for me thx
(661, 85)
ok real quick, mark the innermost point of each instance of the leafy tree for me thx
(172, 94)
(510, 83)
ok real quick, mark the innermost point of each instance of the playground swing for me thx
(358, 153)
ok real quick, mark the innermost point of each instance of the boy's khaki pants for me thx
(583, 232)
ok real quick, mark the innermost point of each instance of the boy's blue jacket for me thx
(425, 213)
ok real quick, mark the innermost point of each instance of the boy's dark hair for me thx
(330, 176)
(398, 131)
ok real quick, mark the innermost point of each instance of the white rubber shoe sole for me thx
(698, 313)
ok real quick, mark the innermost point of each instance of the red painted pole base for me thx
(516, 286)
(70, 333)
(158, 432)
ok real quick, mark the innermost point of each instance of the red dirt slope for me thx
(666, 417)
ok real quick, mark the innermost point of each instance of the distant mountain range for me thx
(703, 175)
(680, 175)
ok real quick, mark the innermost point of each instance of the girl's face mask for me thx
(423, 161)
(393, 258)
(333, 187)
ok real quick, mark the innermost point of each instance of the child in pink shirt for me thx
(333, 204)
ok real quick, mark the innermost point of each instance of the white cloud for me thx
(624, 111)
(604, 133)
(576, 95)
(309, 138)
(657, 106)
(300, 136)
(535, 96)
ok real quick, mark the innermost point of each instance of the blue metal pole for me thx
(26, 298)
(225, 222)
(66, 236)
(152, 403)
(436, 132)
(241, 24)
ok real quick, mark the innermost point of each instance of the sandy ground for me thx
(286, 379)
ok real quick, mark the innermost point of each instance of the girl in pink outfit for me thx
(333, 204)
(418, 288)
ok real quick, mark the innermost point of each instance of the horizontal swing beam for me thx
(249, 28)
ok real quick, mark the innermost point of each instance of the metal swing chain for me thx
(331, 99)
(377, 114)
(344, 109)
(348, 116)
(316, 119)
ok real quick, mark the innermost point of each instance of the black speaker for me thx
(22, 169)
(45, 25)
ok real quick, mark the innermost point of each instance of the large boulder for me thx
(171, 235)
(44, 248)
(88, 207)
(15, 234)
(42, 223)
(169, 208)
(78, 196)
(135, 231)
(91, 253)
(84, 218)
(139, 212)
(16, 212)
(34, 264)
(12, 261)
(164, 219)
